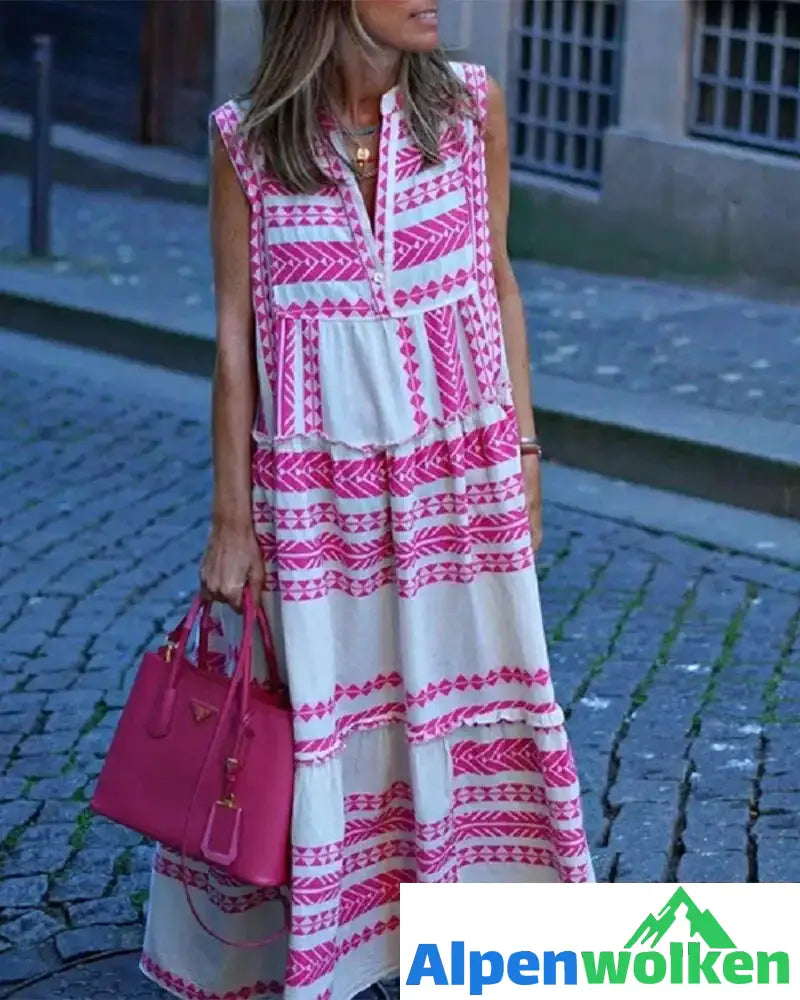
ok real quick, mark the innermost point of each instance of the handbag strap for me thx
(270, 656)
(240, 682)
(179, 636)
(262, 943)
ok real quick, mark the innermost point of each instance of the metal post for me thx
(41, 165)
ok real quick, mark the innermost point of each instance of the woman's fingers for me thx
(228, 593)
(232, 596)
(230, 565)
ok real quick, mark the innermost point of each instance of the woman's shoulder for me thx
(230, 115)
(476, 79)
(229, 119)
(474, 75)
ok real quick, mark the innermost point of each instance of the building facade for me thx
(646, 135)
(653, 135)
(140, 70)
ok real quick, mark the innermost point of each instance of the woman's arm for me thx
(511, 308)
(232, 557)
(512, 311)
(234, 386)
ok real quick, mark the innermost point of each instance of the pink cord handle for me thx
(240, 682)
(179, 636)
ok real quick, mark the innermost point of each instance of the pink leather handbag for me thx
(202, 762)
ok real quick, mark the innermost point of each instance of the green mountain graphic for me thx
(702, 924)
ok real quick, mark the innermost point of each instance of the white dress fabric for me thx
(400, 579)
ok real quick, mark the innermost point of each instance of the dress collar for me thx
(391, 102)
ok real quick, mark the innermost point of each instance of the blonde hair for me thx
(282, 121)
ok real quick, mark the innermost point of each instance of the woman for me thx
(376, 485)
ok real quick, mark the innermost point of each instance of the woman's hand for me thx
(531, 478)
(232, 562)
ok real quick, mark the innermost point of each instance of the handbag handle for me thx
(178, 638)
(240, 681)
(270, 655)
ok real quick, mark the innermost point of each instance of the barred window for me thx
(566, 56)
(746, 72)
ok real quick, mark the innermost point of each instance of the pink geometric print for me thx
(461, 505)
(368, 477)
(400, 577)
(440, 326)
(190, 991)
(411, 368)
(409, 161)
(286, 341)
(535, 712)
(388, 682)
(474, 163)
(432, 239)
(370, 818)
(434, 290)
(227, 120)
(331, 581)
(475, 324)
(330, 548)
(382, 189)
(312, 397)
(424, 192)
(317, 261)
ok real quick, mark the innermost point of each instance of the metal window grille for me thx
(566, 55)
(746, 73)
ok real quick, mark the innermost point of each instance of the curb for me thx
(136, 339)
(646, 439)
(83, 159)
(649, 439)
(81, 171)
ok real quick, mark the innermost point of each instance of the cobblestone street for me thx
(679, 665)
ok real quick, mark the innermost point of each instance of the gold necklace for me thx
(362, 165)
(363, 160)
(363, 154)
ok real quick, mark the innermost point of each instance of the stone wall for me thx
(238, 37)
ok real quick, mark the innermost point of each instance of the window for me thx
(566, 55)
(746, 72)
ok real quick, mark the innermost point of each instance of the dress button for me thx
(378, 276)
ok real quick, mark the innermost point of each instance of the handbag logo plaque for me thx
(201, 711)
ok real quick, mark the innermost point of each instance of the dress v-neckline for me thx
(371, 229)
(371, 226)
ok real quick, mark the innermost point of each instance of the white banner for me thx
(498, 941)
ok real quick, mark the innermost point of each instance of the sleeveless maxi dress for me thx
(400, 579)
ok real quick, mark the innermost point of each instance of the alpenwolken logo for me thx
(681, 944)
(706, 955)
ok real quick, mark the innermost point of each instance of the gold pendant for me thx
(363, 156)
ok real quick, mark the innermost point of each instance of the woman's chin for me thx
(428, 43)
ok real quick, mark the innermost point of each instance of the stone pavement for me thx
(150, 259)
(113, 978)
(117, 978)
(678, 663)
